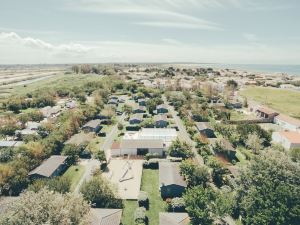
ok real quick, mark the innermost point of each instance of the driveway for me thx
(183, 134)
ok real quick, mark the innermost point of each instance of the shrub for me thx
(152, 156)
(140, 216)
(151, 164)
(177, 205)
(143, 200)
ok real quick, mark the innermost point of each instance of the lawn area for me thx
(156, 204)
(74, 173)
(282, 100)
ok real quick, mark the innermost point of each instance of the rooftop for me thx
(92, 123)
(106, 216)
(174, 219)
(203, 125)
(292, 136)
(169, 173)
(140, 143)
(288, 119)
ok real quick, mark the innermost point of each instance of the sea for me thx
(264, 68)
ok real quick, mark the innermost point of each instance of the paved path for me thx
(90, 165)
(183, 134)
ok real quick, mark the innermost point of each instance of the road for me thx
(183, 134)
(90, 165)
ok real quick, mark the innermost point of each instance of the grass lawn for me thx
(157, 205)
(74, 173)
(282, 100)
(150, 182)
(128, 212)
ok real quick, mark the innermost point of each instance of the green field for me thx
(282, 100)
(74, 173)
(150, 182)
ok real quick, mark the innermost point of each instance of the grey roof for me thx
(169, 173)
(49, 166)
(10, 143)
(101, 216)
(137, 116)
(160, 117)
(140, 143)
(92, 123)
(203, 125)
(80, 138)
(161, 106)
(173, 219)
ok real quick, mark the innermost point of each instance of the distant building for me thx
(113, 101)
(51, 167)
(288, 139)
(171, 183)
(161, 121)
(139, 109)
(50, 112)
(174, 218)
(11, 144)
(161, 109)
(142, 102)
(100, 216)
(205, 129)
(92, 126)
(287, 123)
(266, 113)
(136, 118)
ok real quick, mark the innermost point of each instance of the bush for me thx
(177, 205)
(143, 199)
(151, 164)
(152, 156)
(140, 216)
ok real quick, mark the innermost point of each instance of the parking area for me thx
(126, 175)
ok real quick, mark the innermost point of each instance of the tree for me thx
(58, 184)
(295, 154)
(268, 190)
(194, 174)
(99, 192)
(47, 207)
(73, 152)
(100, 155)
(204, 205)
(231, 84)
(180, 149)
(218, 170)
(254, 143)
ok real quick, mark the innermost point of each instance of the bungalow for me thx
(171, 183)
(101, 216)
(287, 123)
(174, 218)
(266, 113)
(10, 144)
(288, 139)
(142, 102)
(92, 126)
(136, 118)
(161, 109)
(161, 121)
(31, 129)
(139, 147)
(50, 112)
(139, 109)
(205, 129)
(51, 167)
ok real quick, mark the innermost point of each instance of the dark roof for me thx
(101, 216)
(203, 125)
(169, 173)
(49, 166)
(139, 143)
(92, 123)
(174, 219)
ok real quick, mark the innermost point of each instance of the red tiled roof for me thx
(292, 136)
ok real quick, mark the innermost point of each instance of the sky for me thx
(101, 31)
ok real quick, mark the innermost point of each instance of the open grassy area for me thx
(74, 173)
(150, 182)
(282, 100)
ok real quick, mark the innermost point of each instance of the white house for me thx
(287, 123)
(288, 139)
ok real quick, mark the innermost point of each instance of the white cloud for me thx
(250, 37)
(15, 49)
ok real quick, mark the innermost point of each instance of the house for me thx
(266, 113)
(80, 138)
(161, 121)
(50, 112)
(288, 139)
(287, 123)
(161, 109)
(31, 129)
(224, 147)
(113, 97)
(136, 118)
(10, 144)
(205, 129)
(51, 167)
(139, 147)
(101, 216)
(92, 126)
(139, 109)
(171, 183)
(142, 102)
(174, 218)
(113, 101)
(167, 135)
